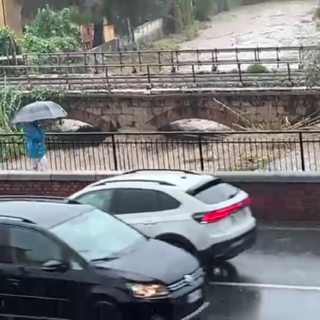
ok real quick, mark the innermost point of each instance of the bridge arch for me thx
(205, 111)
(90, 118)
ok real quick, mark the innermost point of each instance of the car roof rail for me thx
(164, 183)
(13, 218)
(37, 198)
(173, 170)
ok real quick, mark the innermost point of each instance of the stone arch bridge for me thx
(107, 112)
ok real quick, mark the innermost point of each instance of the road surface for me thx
(278, 279)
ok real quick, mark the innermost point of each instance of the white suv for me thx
(197, 212)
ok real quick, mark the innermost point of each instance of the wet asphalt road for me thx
(279, 279)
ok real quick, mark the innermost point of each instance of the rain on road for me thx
(278, 279)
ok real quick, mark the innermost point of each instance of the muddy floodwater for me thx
(268, 24)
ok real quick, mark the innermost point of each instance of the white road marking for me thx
(288, 228)
(265, 286)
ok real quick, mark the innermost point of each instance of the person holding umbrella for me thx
(36, 148)
(29, 116)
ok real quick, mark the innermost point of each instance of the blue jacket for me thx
(35, 138)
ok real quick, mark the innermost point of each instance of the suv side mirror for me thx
(55, 266)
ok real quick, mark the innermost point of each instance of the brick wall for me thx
(275, 196)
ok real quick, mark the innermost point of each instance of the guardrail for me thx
(215, 151)
(159, 57)
(70, 77)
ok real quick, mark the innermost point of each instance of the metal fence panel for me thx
(219, 151)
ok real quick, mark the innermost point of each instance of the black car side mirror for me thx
(55, 266)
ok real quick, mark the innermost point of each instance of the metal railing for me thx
(216, 151)
(162, 57)
(100, 77)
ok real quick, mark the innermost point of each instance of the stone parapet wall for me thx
(157, 108)
(280, 196)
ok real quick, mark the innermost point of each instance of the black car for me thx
(73, 261)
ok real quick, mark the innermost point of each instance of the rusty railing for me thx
(162, 57)
(171, 76)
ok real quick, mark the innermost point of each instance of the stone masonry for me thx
(223, 105)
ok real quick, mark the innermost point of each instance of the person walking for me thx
(29, 116)
(35, 139)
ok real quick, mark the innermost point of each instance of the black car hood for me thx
(152, 260)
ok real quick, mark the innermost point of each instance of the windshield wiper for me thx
(105, 258)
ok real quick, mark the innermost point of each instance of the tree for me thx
(125, 15)
(83, 12)
(51, 32)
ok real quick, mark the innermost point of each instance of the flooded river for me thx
(268, 24)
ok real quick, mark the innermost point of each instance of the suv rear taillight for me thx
(216, 215)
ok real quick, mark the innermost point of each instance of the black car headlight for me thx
(148, 290)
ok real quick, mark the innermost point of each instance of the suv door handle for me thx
(149, 223)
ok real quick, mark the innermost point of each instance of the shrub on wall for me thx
(257, 68)
(8, 43)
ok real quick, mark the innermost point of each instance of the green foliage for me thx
(311, 67)
(8, 48)
(35, 44)
(49, 23)
(257, 68)
(10, 103)
(41, 94)
(52, 32)
(8, 43)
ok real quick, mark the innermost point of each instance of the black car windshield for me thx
(97, 235)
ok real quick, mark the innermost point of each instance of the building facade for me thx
(10, 15)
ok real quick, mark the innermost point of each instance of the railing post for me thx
(193, 75)
(107, 77)
(278, 56)
(303, 165)
(198, 58)
(114, 151)
(159, 60)
(171, 58)
(239, 71)
(216, 54)
(120, 61)
(201, 152)
(300, 54)
(258, 54)
(289, 71)
(148, 72)
(177, 59)
(140, 60)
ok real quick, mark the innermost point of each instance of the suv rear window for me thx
(215, 192)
